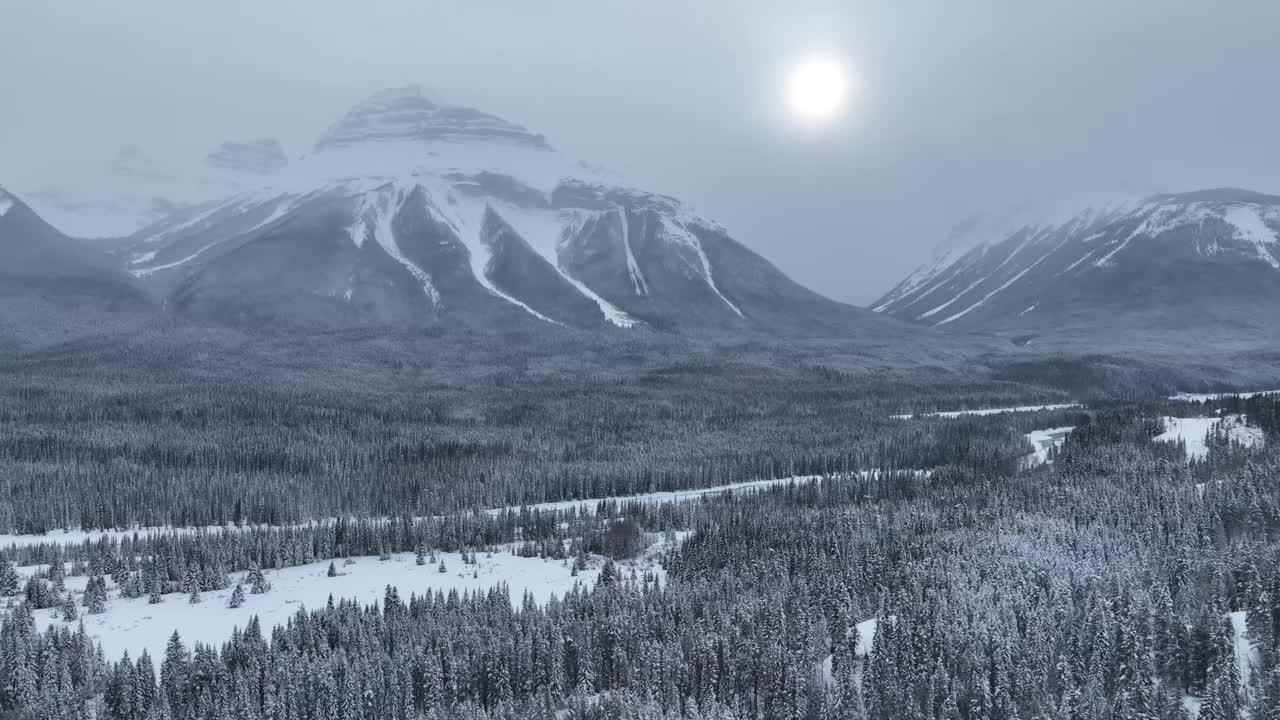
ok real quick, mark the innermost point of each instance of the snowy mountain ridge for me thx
(409, 210)
(1204, 248)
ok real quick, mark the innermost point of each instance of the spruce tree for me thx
(9, 581)
(69, 611)
(258, 581)
(95, 595)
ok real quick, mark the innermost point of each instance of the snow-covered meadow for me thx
(134, 625)
(1195, 432)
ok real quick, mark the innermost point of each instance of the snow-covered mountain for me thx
(1166, 262)
(411, 211)
(53, 287)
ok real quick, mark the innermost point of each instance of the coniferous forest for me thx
(1120, 580)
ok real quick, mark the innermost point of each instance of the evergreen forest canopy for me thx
(1110, 584)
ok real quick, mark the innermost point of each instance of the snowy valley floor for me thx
(134, 625)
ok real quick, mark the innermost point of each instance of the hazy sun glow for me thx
(817, 88)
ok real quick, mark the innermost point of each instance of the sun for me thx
(817, 88)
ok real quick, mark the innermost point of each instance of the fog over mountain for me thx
(957, 107)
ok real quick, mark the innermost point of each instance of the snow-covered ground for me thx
(1193, 431)
(1202, 397)
(75, 537)
(677, 496)
(989, 411)
(1044, 442)
(134, 624)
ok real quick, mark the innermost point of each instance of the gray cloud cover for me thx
(965, 105)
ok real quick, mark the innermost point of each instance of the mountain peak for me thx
(410, 92)
(413, 114)
(7, 202)
(261, 156)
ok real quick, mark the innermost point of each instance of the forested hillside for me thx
(113, 437)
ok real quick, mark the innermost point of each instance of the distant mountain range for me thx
(53, 287)
(409, 212)
(1199, 265)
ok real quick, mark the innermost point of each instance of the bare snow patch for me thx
(677, 496)
(143, 272)
(1250, 228)
(1195, 431)
(988, 411)
(1045, 443)
(1202, 397)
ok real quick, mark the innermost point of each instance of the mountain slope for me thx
(1206, 261)
(412, 212)
(53, 287)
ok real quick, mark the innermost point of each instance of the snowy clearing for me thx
(1203, 397)
(866, 635)
(1194, 431)
(988, 411)
(1045, 442)
(134, 625)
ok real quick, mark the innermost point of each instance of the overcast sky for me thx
(963, 106)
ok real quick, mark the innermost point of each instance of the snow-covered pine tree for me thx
(69, 611)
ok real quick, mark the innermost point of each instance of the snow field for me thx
(1193, 432)
(134, 625)
(1045, 441)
